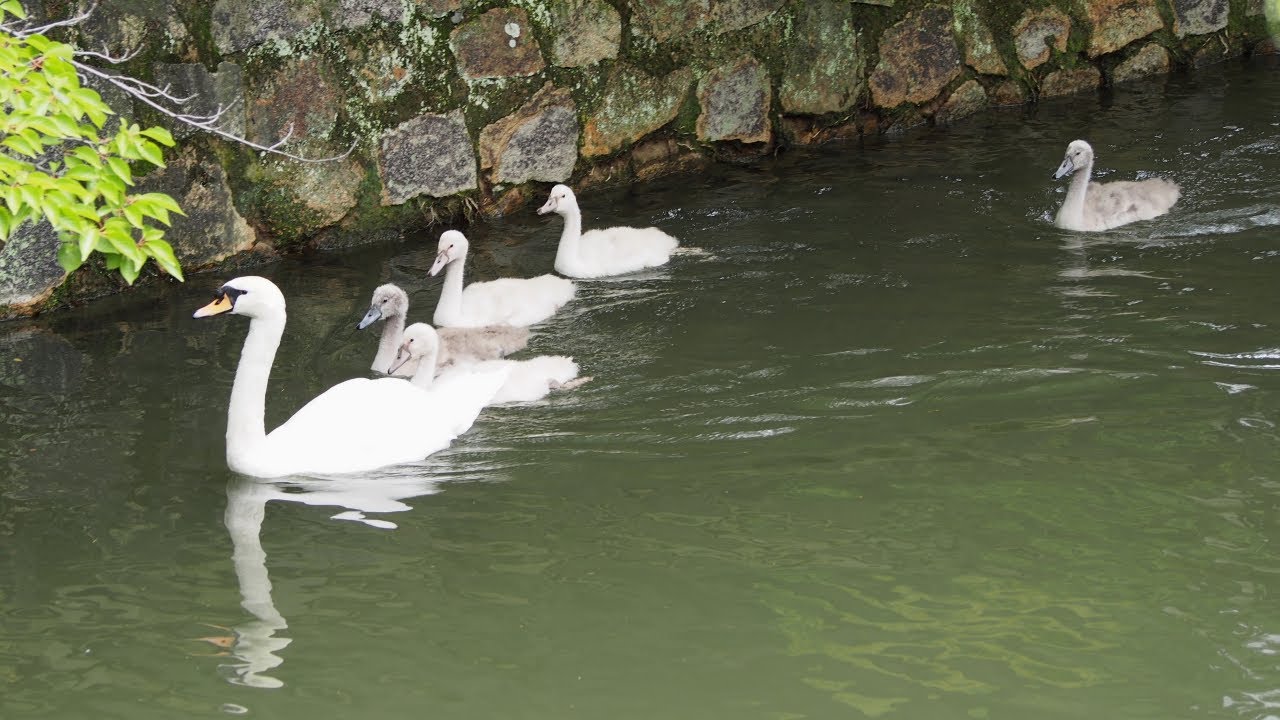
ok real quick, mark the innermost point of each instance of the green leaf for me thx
(111, 190)
(14, 8)
(58, 51)
(29, 196)
(88, 156)
(12, 199)
(88, 241)
(90, 103)
(69, 257)
(160, 135)
(130, 269)
(162, 200)
(120, 236)
(151, 153)
(134, 215)
(163, 254)
(121, 169)
(81, 173)
(22, 146)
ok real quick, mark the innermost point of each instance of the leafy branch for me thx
(58, 161)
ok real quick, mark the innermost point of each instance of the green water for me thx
(895, 448)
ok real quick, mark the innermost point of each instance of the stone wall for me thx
(458, 108)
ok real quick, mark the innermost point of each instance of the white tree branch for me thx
(25, 30)
(155, 97)
(207, 123)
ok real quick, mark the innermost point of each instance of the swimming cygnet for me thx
(1102, 206)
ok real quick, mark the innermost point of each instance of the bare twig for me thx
(145, 92)
(107, 56)
(25, 30)
(154, 96)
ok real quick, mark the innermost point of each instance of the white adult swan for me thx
(357, 425)
(505, 301)
(602, 252)
(527, 380)
(390, 304)
(1102, 206)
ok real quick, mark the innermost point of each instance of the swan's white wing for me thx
(469, 345)
(618, 250)
(515, 301)
(1113, 204)
(527, 380)
(363, 424)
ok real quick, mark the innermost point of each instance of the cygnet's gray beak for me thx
(371, 317)
(442, 259)
(1066, 168)
(548, 206)
(402, 357)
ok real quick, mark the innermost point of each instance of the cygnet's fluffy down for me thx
(1101, 206)
(607, 251)
(526, 380)
(505, 301)
(390, 304)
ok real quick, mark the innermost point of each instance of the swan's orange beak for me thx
(220, 304)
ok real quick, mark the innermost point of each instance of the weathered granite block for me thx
(1198, 17)
(436, 8)
(428, 155)
(29, 269)
(730, 15)
(735, 102)
(980, 51)
(497, 44)
(212, 229)
(300, 99)
(1150, 60)
(1037, 31)
(355, 14)
(588, 31)
(1070, 82)
(918, 57)
(209, 92)
(825, 62)
(663, 20)
(967, 99)
(1116, 23)
(238, 25)
(538, 142)
(633, 105)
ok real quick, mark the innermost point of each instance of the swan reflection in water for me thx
(254, 643)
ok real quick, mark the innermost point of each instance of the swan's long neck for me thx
(1071, 214)
(245, 423)
(426, 372)
(392, 335)
(567, 252)
(449, 309)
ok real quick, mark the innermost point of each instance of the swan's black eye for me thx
(231, 292)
